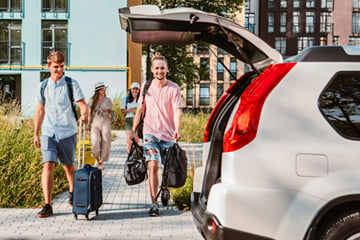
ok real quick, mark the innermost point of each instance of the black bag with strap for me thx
(135, 170)
(139, 128)
(175, 170)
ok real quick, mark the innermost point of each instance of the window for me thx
(10, 42)
(296, 3)
(340, 105)
(283, 3)
(270, 22)
(310, 22)
(323, 41)
(304, 42)
(336, 41)
(10, 5)
(54, 38)
(219, 90)
(204, 94)
(356, 22)
(8, 86)
(55, 5)
(325, 22)
(354, 41)
(310, 3)
(201, 48)
(250, 22)
(233, 68)
(247, 4)
(220, 69)
(283, 22)
(271, 3)
(280, 44)
(296, 22)
(356, 3)
(190, 97)
(327, 4)
(204, 68)
(221, 51)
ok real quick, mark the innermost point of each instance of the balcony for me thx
(11, 5)
(11, 53)
(50, 46)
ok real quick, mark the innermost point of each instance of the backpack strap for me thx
(71, 95)
(70, 92)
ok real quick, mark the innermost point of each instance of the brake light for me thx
(220, 103)
(245, 123)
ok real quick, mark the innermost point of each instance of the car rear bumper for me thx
(211, 228)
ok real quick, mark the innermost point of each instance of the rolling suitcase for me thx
(87, 186)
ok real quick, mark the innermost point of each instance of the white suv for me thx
(281, 148)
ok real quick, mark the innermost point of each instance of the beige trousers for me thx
(101, 137)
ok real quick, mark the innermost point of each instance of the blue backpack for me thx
(70, 91)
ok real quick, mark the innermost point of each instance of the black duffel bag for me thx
(135, 170)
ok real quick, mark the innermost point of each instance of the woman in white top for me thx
(128, 107)
(100, 117)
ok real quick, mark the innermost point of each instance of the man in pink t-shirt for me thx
(161, 123)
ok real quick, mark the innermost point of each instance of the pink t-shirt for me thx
(160, 106)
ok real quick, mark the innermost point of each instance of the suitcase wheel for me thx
(75, 216)
(97, 212)
(87, 217)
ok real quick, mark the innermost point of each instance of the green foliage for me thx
(20, 164)
(119, 123)
(193, 126)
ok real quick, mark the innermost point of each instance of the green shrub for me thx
(119, 123)
(193, 126)
(20, 163)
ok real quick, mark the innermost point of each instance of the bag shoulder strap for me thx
(70, 88)
(126, 101)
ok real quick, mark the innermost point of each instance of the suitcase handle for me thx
(81, 149)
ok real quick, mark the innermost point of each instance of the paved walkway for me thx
(122, 216)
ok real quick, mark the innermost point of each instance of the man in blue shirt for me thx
(54, 115)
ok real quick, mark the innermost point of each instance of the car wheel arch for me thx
(331, 211)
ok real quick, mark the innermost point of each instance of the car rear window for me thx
(340, 104)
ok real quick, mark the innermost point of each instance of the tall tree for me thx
(182, 68)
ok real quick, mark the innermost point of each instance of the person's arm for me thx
(136, 121)
(38, 120)
(177, 119)
(83, 110)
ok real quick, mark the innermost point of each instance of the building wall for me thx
(97, 48)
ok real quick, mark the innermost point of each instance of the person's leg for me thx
(152, 154)
(129, 142)
(95, 142)
(105, 143)
(69, 171)
(153, 166)
(47, 181)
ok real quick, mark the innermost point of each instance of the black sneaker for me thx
(71, 197)
(154, 211)
(165, 197)
(46, 211)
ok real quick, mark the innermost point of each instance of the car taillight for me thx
(245, 123)
(220, 103)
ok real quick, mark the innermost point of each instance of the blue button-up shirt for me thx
(59, 119)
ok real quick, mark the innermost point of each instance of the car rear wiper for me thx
(238, 49)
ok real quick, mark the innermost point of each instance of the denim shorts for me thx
(161, 146)
(62, 150)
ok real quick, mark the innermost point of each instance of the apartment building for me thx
(292, 25)
(86, 32)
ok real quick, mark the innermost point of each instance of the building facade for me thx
(88, 33)
(292, 25)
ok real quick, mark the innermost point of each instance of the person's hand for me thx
(84, 118)
(132, 135)
(37, 141)
(177, 135)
